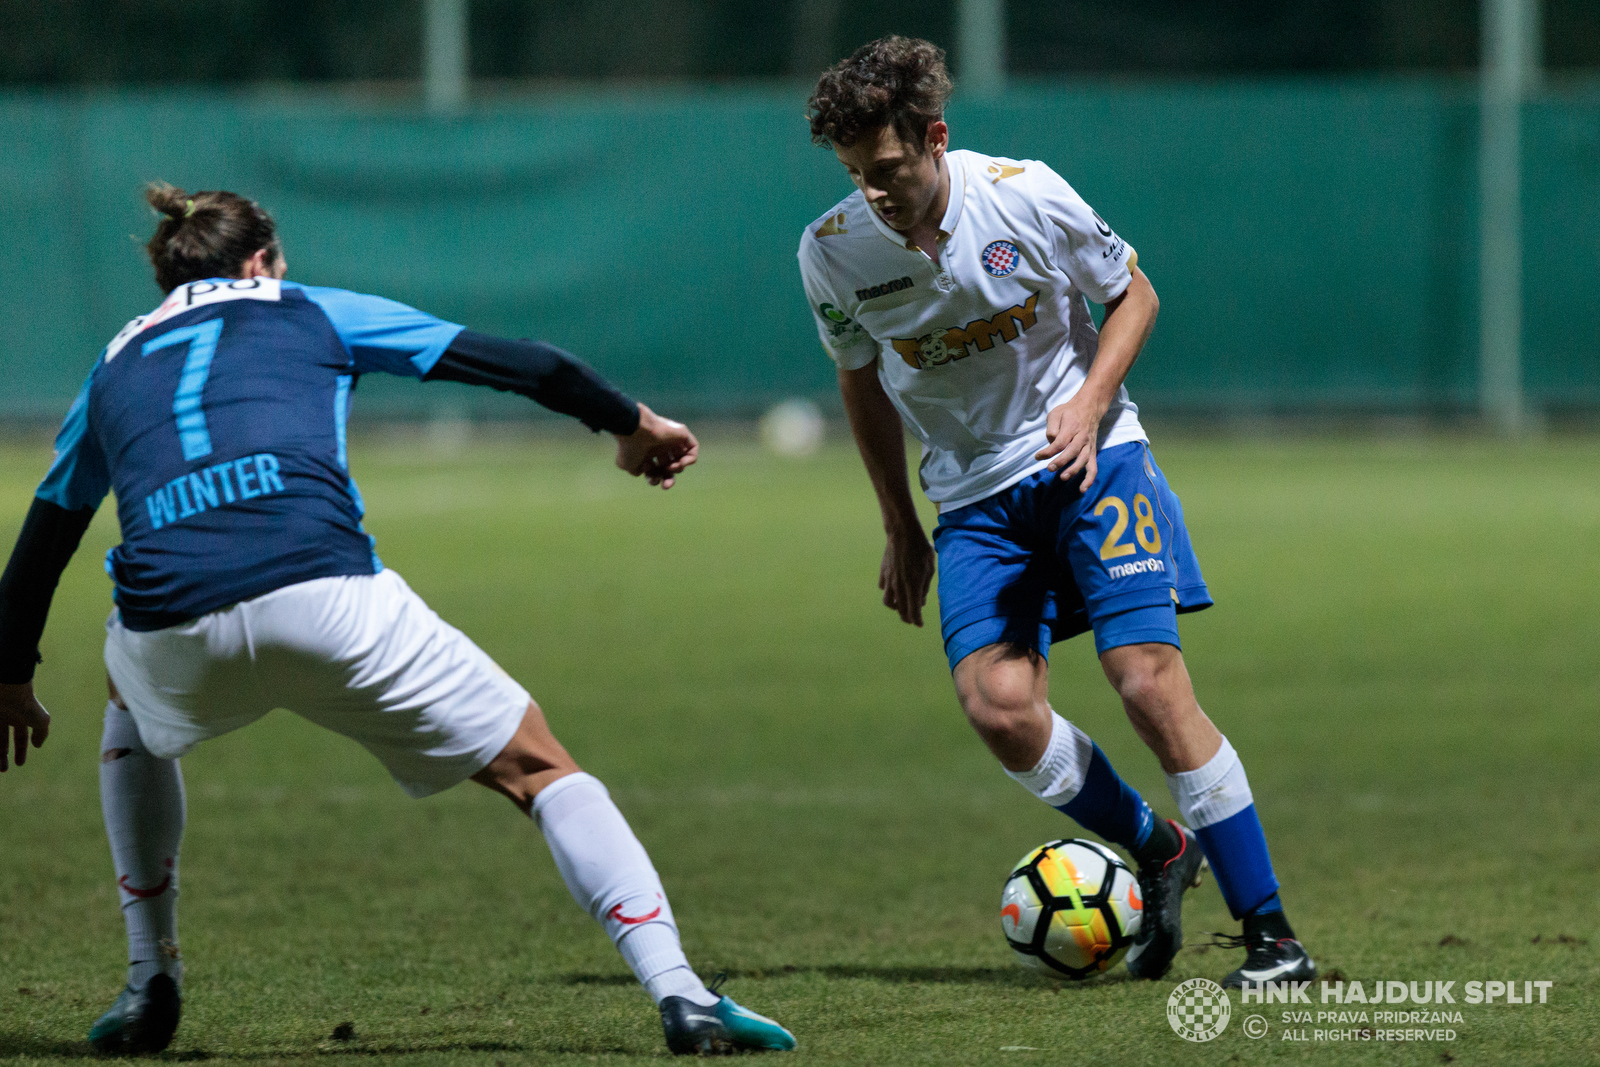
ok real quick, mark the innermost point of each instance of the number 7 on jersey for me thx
(202, 340)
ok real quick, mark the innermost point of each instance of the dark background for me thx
(163, 42)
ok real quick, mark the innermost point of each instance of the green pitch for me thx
(1404, 650)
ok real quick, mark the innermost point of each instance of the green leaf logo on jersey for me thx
(829, 311)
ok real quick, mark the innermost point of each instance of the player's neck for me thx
(925, 234)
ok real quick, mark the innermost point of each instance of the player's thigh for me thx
(364, 656)
(1117, 539)
(186, 683)
(995, 587)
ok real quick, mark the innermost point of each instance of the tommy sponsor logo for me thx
(1138, 566)
(942, 346)
(873, 291)
(190, 494)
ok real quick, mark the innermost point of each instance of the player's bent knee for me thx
(531, 760)
(999, 700)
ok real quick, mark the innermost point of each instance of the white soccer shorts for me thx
(362, 655)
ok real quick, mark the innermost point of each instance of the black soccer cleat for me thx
(694, 1030)
(721, 1029)
(1270, 959)
(1161, 929)
(140, 1021)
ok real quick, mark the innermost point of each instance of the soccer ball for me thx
(1071, 909)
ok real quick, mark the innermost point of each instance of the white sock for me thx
(611, 877)
(1212, 792)
(1059, 774)
(143, 803)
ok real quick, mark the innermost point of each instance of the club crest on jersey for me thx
(943, 346)
(1001, 259)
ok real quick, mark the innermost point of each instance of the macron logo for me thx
(1141, 566)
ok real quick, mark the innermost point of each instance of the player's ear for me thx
(937, 139)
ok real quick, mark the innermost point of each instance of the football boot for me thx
(140, 1021)
(719, 1030)
(1161, 929)
(1270, 959)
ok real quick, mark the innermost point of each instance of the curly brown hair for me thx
(207, 234)
(894, 80)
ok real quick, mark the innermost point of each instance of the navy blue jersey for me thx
(219, 422)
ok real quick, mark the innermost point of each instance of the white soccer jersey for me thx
(974, 352)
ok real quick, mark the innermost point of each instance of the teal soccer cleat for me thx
(720, 1030)
(140, 1021)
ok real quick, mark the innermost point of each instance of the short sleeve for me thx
(1085, 248)
(843, 338)
(384, 335)
(79, 476)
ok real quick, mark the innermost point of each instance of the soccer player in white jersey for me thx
(952, 289)
(244, 582)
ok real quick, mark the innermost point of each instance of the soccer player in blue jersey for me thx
(244, 582)
(952, 291)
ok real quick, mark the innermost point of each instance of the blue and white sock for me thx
(142, 800)
(1075, 777)
(1215, 801)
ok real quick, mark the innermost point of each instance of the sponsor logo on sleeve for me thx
(842, 330)
(999, 173)
(1116, 246)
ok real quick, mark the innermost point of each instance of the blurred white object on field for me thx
(793, 428)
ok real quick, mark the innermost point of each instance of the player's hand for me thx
(1074, 434)
(659, 449)
(907, 571)
(20, 712)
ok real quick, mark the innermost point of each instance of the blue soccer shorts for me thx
(1041, 561)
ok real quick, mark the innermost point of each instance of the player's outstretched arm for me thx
(1074, 427)
(647, 444)
(908, 560)
(50, 535)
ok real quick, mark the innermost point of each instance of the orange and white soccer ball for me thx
(1071, 909)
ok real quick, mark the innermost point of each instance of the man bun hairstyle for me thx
(898, 81)
(208, 234)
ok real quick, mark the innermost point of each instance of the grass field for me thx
(1404, 651)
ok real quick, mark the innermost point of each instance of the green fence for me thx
(1313, 242)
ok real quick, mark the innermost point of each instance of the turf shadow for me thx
(994, 976)
(16, 1045)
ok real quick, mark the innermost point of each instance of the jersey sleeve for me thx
(1084, 247)
(79, 477)
(384, 335)
(845, 340)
